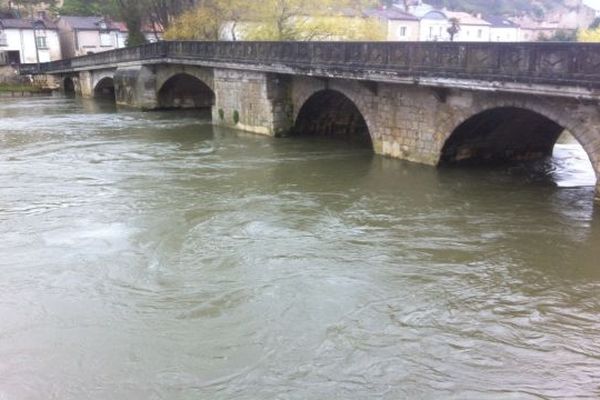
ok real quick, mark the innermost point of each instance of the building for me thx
(400, 26)
(503, 30)
(472, 28)
(88, 35)
(563, 22)
(153, 32)
(532, 32)
(433, 26)
(29, 41)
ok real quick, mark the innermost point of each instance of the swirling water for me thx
(152, 256)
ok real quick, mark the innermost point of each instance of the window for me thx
(431, 32)
(480, 33)
(106, 39)
(3, 38)
(403, 31)
(41, 42)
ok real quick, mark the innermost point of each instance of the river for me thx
(152, 256)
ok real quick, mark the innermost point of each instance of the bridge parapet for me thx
(559, 64)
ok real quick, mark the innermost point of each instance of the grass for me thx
(19, 88)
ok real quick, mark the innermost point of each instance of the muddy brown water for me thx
(152, 256)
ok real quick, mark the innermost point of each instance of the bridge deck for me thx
(558, 64)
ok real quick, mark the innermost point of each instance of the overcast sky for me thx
(593, 3)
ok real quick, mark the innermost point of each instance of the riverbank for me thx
(7, 90)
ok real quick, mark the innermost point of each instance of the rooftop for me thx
(391, 14)
(500, 22)
(24, 23)
(466, 18)
(89, 23)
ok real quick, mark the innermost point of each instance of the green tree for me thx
(206, 21)
(307, 19)
(589, 35)
(86, 7)
(28, 7)
(595, 24)
(132, 12)
(560, 36)
(135, 13)
(277, 20)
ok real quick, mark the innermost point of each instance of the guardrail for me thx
(535, 62)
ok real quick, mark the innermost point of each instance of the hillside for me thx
(533, 8)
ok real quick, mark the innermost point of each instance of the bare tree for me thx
(454, 28)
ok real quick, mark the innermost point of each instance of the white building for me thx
(400, 26)
(29, 41)
(503, 30)
(472, 28)
(433, 26)
(87, 35)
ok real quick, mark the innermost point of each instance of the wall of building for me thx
(402, 31)
(434, 30)
(504, 34)
(89, 42)
(473, 33)
(122, 39)
(22, 40)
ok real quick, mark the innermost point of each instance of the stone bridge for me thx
(433, 103)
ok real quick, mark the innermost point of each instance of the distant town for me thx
(40, 34)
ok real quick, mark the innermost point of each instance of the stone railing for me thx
(554, 63)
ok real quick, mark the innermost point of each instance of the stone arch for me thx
(505, 130)
(100, 75)
(69, 85)
(332, 113)
(183, 90)
(166, 72)
(105, 88)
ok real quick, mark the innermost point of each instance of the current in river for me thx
(154, 256)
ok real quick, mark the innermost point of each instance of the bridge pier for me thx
(86, 84)
(252, 101)
(135, 87)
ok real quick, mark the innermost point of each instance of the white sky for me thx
(593, 3)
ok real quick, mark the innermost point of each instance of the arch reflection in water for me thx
(185, 91)
(499, 135)
(105, 89)
(329, 113)
(512, 135)
(69, 86)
